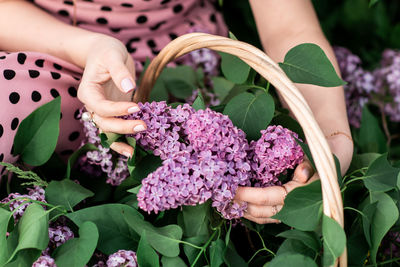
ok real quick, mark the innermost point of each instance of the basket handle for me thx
(266, 67)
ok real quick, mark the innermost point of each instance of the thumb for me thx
(303, 172)
(123, 74)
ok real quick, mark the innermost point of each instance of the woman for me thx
(108, 36)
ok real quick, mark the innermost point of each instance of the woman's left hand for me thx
(263, 203)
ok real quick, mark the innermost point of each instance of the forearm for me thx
(24, 27)
(285, 24)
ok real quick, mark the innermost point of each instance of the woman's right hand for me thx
(106, 89)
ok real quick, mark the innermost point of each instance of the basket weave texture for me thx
(266, 67)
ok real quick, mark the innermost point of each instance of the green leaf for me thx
(163, 239)
(291, 260)
(362, 160)
(5, 217)
(24, 258)
(146, 256)
(385, 216)
(199, 102)
(307, 63)
(381, 176)
(37, 134)
(290, 123)
(106, 139)
(77, 252)
(216, 253)
(32, 230)
(307, 152)
(310, 239)
(145, 166)
(74, 157)
(114, 231)
(236, 90)
(172, 262)
(372, 2)
(159, 92)
(180, 88)
(293, 246)
(233, 68)
(303, 207)
(251, 113)
(195, 220)
(66, 193)
(368, 211)
(334, 240)
(232, 258)
(222, 87)
(371, 137)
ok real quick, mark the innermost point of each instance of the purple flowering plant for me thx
(172, 203)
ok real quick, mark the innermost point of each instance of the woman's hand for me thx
(106, 89)
(263, 203)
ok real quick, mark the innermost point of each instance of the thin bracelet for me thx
(338, 133)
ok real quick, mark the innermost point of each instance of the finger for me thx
(122, 148)
(268, 196)
(123, 76)
(303, 172)
(92, 96)
(258, 211)
(261, 220)
(114, 125)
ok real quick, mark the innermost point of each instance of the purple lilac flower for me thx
(360, 84)
(36, 193)
(122, 258)
(208, 159)
(59, 235)
(388, 82)
(274, 153)
(44, 261)
(101, 160)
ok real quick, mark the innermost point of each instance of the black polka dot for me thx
(1, 157)
(36, 96)
(191, 23)
(173, 36)
(14, 123)
(131, 49)
(72, 91)
(101, 21)
(1, 130)
(73, 136)
(54, 93)
(61, 115)
(163, 2)
(76, 78)
(106, 8)
(126, 5)
(21, 58)
(141, 19)
(177, 8)
(14, 97)
(34, 74)
(88, 0)
(55, 75)
(56, 66)
(63, 13)
(155, 52)
(76, 115)
(213, 18)
(70, 3)
(2, 57)
(8, 74)
(151, 43)
(133, 40)
(157, 26)
(115, 29)
(39, 63)
(67, 152)
(129, 45)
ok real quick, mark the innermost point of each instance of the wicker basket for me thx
(259, 61)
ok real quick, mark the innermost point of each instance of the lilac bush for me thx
(44, 261)
(121, 258)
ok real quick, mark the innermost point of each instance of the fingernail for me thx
(127, 154)
(127, 85)
(133, 109)
(139, 128)
(306, 173)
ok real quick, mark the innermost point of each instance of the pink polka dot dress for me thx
(30, 79)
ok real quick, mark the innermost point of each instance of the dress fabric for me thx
(31, 79)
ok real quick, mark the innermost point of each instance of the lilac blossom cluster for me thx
(101, 160)
(121, 258)
(19, 202)
(44, 261)
(381, 86)
(388, 83)
(274, 153)
(360, 83)
(204, 157)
